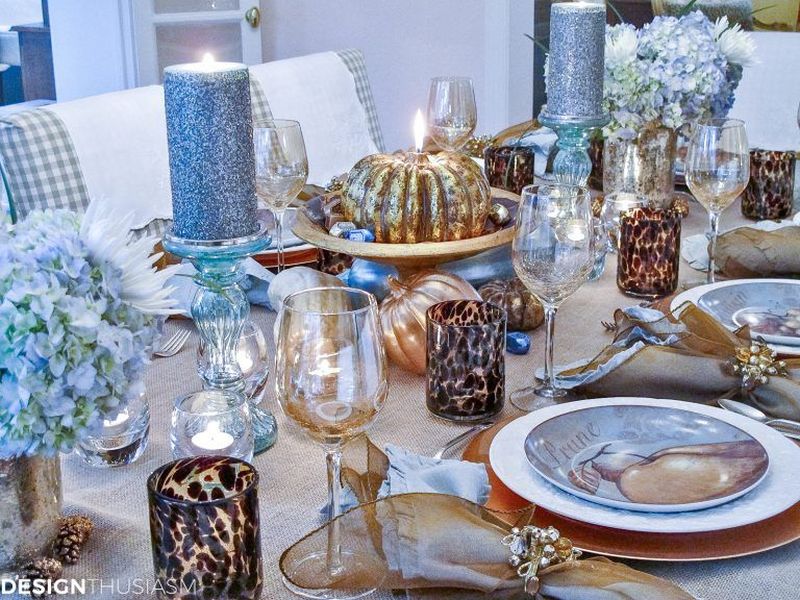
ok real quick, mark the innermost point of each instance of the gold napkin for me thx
(748, 252)
(435, 542)
(696, 366)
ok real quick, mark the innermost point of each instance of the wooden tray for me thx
(409, 258)
(758, 537)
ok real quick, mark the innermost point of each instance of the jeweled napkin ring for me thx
(755, 363)
(533, 548)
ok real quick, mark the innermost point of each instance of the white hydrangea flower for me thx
(736, 45)
(621, 45)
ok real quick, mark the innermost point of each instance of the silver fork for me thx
(173, 345)
(461, 437)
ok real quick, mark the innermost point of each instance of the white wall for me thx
(91, 42)
(408, 42)
(20, 12)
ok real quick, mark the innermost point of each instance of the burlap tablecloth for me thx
(293, 472)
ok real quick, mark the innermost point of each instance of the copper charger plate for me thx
(758, 537)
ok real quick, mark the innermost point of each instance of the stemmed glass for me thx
(717, 172)
(553, 254)
(331, 379)
(452, 115)
(281, 169)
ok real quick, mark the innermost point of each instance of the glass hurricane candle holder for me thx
(466, 344)
(509, 167)
(770, 191)
(649, 252)
(254, 362)
(205, 530)
(210, 422)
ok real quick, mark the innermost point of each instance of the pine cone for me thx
(41, 568)
(72, 535)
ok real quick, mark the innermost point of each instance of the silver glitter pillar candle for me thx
(210, 136)
(576, 62)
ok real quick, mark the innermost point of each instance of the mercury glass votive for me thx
(770, 191)
(649, 252)
(210, 422)
(465, 360)
(205, 530)
(509, 167)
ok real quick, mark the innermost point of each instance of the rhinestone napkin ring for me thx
(755, 363)
(533, 548)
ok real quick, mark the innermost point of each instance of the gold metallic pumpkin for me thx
(523, 310)
(410, 197)
(403, 313)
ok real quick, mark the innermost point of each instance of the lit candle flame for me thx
(419, 130)
(208, 57)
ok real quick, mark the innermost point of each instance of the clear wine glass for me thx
(553, 254)
(281, 169)
(331, 380)
(452, 114)
(717, 172)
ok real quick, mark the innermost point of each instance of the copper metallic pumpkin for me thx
(523, 310)
(403, 313)
(409, 197)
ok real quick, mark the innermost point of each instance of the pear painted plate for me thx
(779, 491)
(646, 458)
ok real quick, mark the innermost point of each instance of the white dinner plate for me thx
(725, 311)
(779, 491)
(647, 458)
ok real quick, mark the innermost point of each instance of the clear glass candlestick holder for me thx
(572, 164)
(220, 306)
(212, 422)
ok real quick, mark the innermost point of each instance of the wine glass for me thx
(553, 254)
(331, 380)
(452, 115)
(717, 171)
(281, 169)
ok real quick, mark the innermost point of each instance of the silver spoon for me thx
(785, 426)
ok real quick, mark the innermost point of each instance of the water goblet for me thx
(452, 114)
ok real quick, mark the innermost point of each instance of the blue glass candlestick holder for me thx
(572, 163)
(219, 310)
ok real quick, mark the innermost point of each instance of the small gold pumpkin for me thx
(523, 309)
(403, 313)
(410, 197)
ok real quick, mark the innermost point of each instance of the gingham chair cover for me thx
(40, 167)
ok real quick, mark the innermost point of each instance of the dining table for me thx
(292, 473)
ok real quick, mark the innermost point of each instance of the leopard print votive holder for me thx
(509, 167)
(466, 343)
(770, 191)
(649, 252)
(204, 529)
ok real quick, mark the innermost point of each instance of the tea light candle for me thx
(121, 418)
(210, 138)
(212, 438)
(576, 60)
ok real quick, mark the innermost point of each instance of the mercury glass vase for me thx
(642, 163)
(30, 508)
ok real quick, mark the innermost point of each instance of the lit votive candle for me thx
(212, 438)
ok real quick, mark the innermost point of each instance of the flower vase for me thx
(30, 508)
(641, 162)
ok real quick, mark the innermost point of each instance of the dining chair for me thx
(114, 147)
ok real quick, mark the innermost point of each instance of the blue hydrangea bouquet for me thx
(80, 305)
(673, 70)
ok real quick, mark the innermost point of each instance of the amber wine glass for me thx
(281, 170)
(452, 114)
(553, 253)
(331, 379)
(717, 172)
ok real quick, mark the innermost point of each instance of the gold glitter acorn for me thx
(72, 535)
(499, 214)
(476, 145)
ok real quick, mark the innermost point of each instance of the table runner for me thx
(292, 486)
